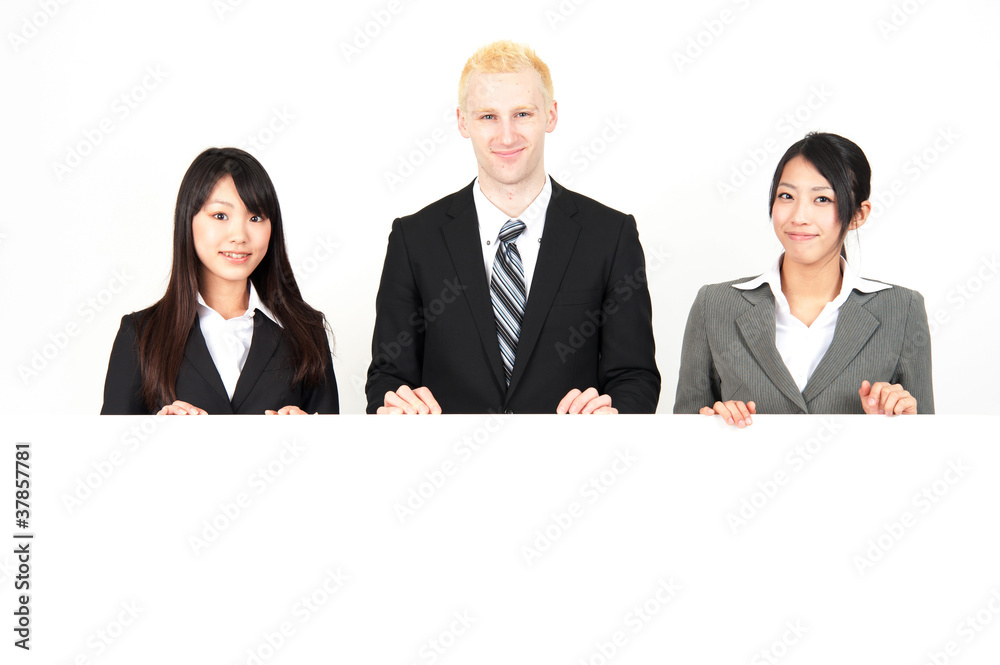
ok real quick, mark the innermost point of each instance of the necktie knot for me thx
(511, 230)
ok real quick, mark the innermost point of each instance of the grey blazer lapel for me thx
(461, 235)
(855, 326)
(757, 327)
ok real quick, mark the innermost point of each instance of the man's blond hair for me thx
(504, 57)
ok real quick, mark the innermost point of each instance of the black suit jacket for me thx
(265, 382)
(587, 321)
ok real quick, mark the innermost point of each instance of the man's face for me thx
(506, 117)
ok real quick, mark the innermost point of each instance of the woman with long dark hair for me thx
(809, 335)
(232, 333)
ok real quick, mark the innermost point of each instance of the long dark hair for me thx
(164, 330)
(842, 163)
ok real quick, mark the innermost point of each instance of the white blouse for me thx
(801, 346)
(229, 340)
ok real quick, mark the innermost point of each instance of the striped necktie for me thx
(508, 292)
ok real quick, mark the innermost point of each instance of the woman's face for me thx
(229, 240)
(804, 214)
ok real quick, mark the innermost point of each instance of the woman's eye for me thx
(785, 195)
(256, 218)
(221, 216)
(824, 199)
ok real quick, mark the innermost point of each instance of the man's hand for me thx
(403, 400)
(588, 401)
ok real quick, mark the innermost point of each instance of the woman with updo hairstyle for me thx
(232, 333)
(809, 335)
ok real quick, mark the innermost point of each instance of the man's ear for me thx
(553, 116)
(460, 117)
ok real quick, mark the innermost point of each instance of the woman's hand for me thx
(181, 408)
(733, 412)
(884, 398)
(286, 411)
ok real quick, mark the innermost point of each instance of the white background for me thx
(881, 546)
(679, 130)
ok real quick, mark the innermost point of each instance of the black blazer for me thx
(587, 321)
(265, 382)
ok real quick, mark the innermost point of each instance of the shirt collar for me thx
(852, 281)
(492, 218)
(255, 303)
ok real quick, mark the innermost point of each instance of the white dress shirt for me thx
(229, 340)
(492, 219)
(801, 346)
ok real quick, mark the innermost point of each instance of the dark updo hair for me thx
(842, 163)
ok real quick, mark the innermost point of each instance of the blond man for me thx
(514, 294)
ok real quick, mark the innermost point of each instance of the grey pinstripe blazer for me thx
(729, 352)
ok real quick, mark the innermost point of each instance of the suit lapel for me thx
(559, 237)
(855, 326)
(196, 352)
(266, 335)
(461, 236)
(756, 325)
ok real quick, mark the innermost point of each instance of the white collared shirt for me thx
(801, 346)
(492, 219)
(228, 340)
